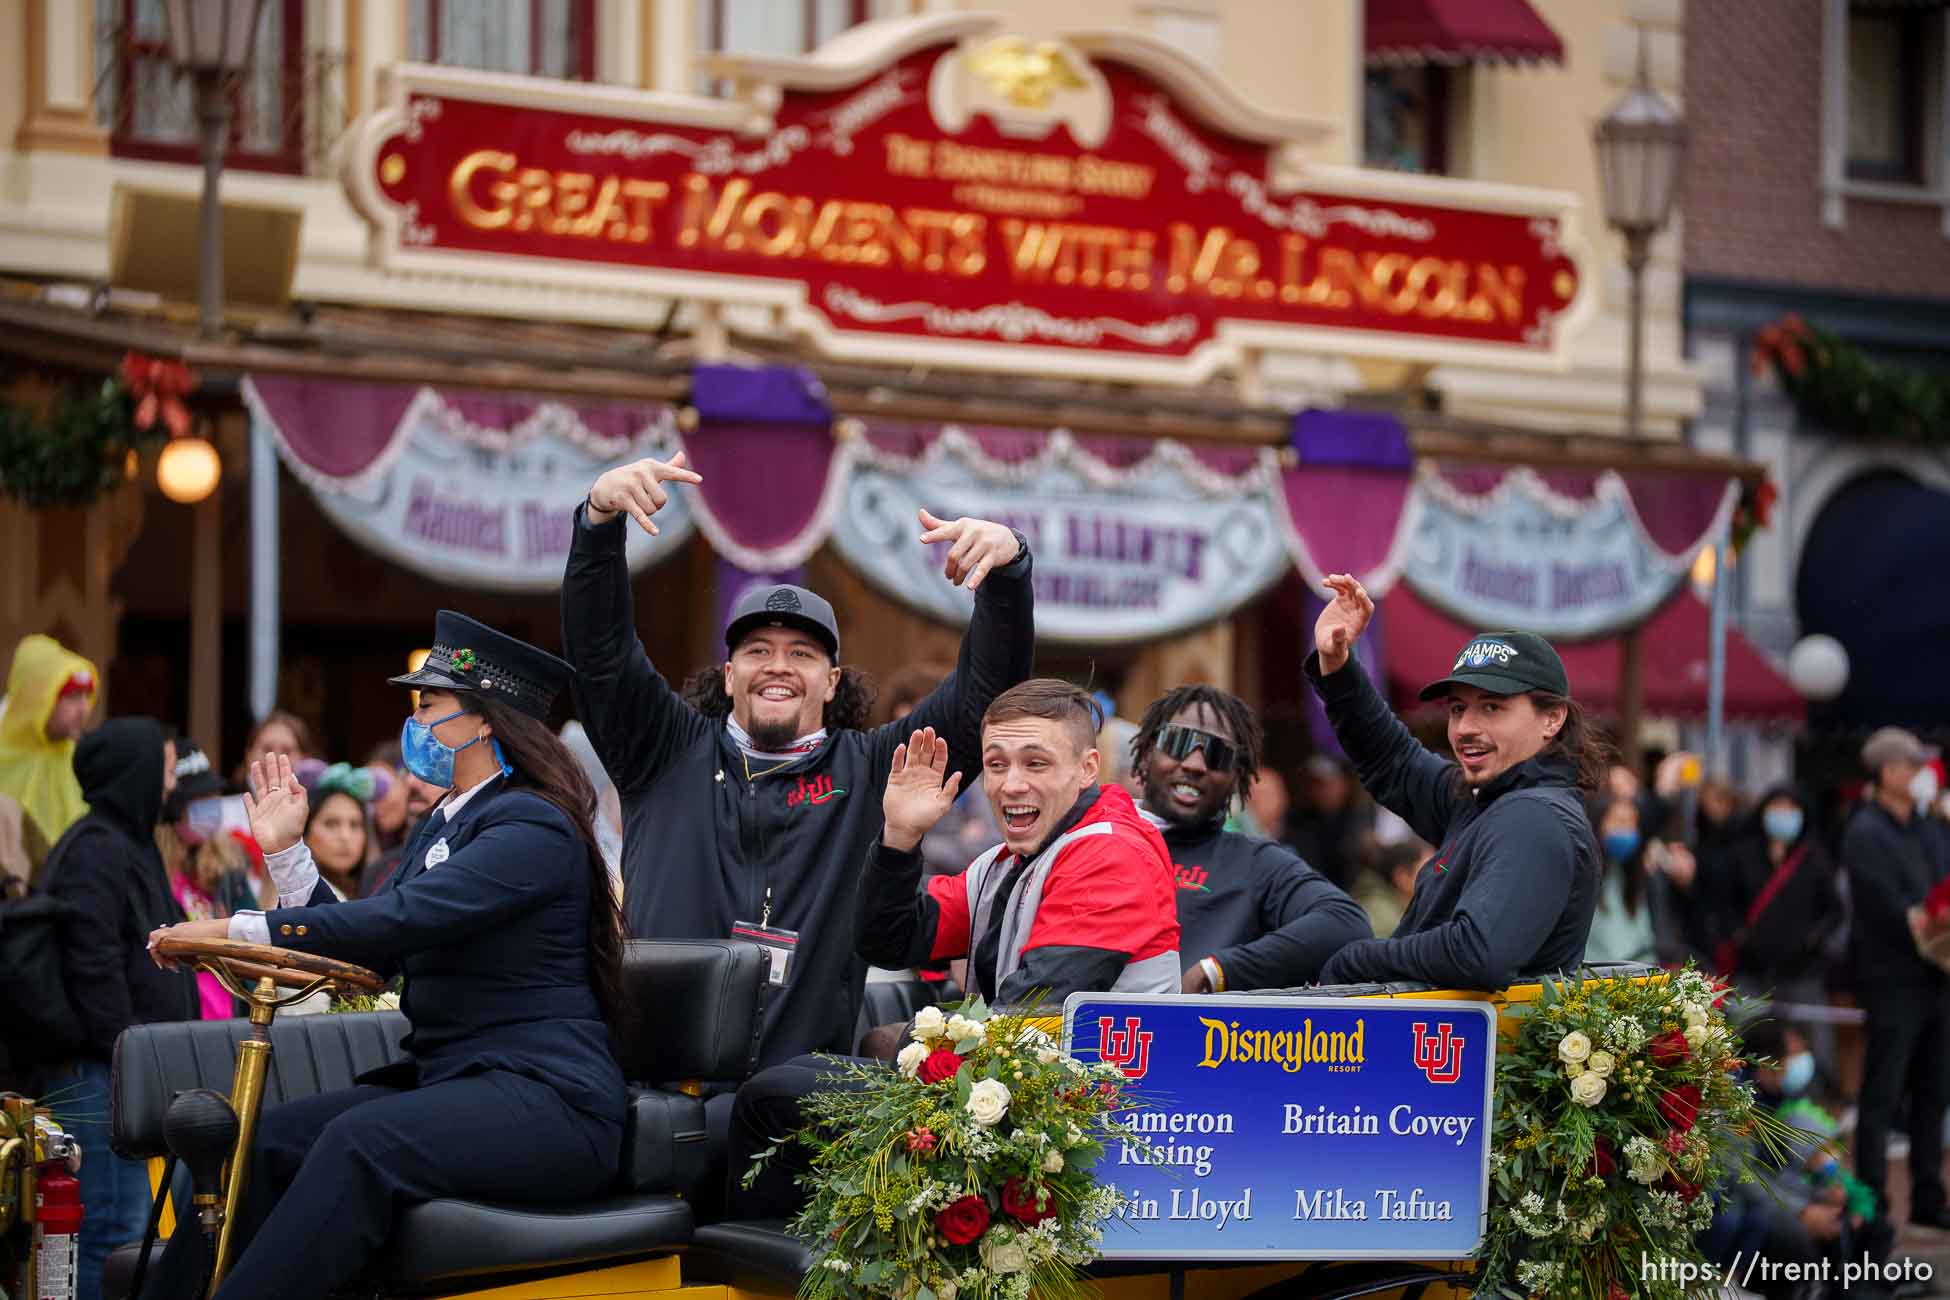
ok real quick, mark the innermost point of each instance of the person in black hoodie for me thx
(751, 817)
(1513, 884)
(107, 869)
(1251, 913)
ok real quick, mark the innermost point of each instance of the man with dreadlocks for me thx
(1251, 913)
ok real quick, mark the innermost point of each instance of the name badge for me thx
(438, 853)
(780, 946)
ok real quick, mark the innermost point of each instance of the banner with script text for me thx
(1293, 1127)
(941, 189)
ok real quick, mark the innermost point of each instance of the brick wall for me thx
(1752, 198)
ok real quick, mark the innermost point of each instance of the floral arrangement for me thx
(77, 447)
(964, 1172)
(1849, 392)
(1618, 1107)
(1929, 922)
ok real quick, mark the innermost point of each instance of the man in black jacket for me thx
(1892, 858)
(1251, 913)
(1514, 882)
(755, 825)
(106, 868)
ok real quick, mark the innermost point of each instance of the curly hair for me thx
(1247, 736)
(850, 709)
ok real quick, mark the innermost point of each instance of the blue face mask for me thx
(427, 756)
(1797, 1072)
(1783, 825)
(1828, 1170)
(1620, 845)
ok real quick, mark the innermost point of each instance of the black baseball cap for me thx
(784, 605)
(1505, 663)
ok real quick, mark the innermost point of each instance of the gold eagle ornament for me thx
(1024, 76)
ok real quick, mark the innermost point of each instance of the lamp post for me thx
(211, 41)
(1641, 141)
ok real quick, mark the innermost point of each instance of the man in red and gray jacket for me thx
(1079, 896)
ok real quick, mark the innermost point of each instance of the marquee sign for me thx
(1274, 1127)
(933, 189)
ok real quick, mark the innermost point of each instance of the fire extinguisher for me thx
(57, 1216)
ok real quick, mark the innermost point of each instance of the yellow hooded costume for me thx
(35, 772)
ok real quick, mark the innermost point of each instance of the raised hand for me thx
(916, 796)
(1342, 622)
(277, 804)
(637, 490)
(979, 546)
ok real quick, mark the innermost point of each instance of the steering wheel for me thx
(247, 963)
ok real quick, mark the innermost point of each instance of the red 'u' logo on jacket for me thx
(814, 792)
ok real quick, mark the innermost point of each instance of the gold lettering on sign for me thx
(555, 203)
(490, 190)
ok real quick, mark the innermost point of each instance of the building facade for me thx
(97, 206)
(1818, 188)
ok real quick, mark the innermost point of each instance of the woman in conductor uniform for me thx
(503, 922)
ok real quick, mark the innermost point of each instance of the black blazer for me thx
(493, 942)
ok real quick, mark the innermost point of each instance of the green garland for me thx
(77, 451)
(1849, 393)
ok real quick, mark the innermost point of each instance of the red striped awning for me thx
(1459, 31)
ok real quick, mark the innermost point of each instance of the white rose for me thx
(929, 1023)
(1075, 1135)
(960, 1027)
(910, 1059)
(1053, 1163)
(946, 1289)
(988, 1102)
(1048, 1055)
(1572, 1069)
(389, 1000)
(1695, 1014)
(1587, 1089)
(1003, 1257)
(1573, 1048)
(1601, 1064)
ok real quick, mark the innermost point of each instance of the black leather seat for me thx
(755, 1254)
(695, 1016)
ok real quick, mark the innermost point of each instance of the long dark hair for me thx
(544, 766)
(1580, 741)
(850, 709)
(1632, 869)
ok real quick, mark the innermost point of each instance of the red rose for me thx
(1679, 1107)
(941, 1064)
(1019, 1202)
(1604, 1161)
(1668, 1049)
(963, 1221)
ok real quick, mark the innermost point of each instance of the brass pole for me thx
(246, 1098)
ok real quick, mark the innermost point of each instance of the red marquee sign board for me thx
(960, 196)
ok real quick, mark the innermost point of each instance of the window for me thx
(1887, 71)
(775, 26)
(149, 110)
(1405, 118)
(541, 38)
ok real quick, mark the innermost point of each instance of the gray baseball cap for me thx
(1894, 745)
(783, 605)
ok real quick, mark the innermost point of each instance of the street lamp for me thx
(211, 40)
(1641, 142)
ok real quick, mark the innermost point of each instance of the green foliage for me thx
(1589, 1179)
(1850, 393)
(79, 451)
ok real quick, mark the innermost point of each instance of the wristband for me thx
(1214, 973)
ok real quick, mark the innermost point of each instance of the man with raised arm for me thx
(754, 825)
(1514, 880)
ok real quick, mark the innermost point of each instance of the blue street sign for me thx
(1294, 1128)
